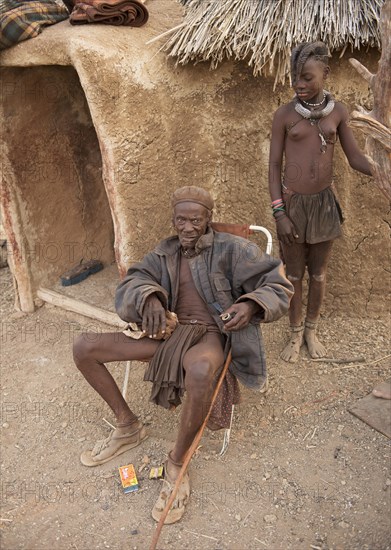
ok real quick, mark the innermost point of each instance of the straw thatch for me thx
(263, 32)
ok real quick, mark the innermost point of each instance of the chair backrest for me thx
(243, 230)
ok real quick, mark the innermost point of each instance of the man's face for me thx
(311, 79)
(190, 221)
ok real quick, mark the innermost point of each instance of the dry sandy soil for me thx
(300, 473)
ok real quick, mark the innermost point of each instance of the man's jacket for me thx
(228, 269)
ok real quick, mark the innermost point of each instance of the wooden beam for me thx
(80, 307)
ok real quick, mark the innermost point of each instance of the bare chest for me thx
(301, 130)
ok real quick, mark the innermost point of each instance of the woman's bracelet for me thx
(277, 202)
(278, 209)
(277, 205)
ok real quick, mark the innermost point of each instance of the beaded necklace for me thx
(315, 104)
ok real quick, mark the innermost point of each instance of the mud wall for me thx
(157, 127)
(54, 167)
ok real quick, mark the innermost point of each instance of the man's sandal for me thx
(181, 499)
(114, 445)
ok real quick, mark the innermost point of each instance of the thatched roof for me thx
(263, 32)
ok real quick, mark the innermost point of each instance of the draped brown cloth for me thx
(109, 12)
(229, 395)
(167, 375)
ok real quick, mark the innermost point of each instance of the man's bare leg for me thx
(294, 256)
(90, 352)
(201, 364)
(318, 257)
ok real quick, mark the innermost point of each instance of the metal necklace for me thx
(311, 115)
(188, 253)
(314, 116)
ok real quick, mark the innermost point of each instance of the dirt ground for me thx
(300, 473)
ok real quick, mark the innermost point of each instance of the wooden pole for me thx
(80, 307)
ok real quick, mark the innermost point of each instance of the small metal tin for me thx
(225, 317)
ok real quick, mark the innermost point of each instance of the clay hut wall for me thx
(117, 127)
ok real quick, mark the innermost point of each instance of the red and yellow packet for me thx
(128, 478)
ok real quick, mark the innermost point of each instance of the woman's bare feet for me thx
(292, 350)
(383, 390)
(315, 348)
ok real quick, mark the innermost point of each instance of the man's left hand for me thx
(243, 312)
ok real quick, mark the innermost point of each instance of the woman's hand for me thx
(286, 230)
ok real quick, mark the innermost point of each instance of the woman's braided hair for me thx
(301, 53)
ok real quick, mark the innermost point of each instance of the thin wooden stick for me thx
(359, 359)
(188, 456)
(351, 366)
(378, 360)
(200, 535)
(107, 422)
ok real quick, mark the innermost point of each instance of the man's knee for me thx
(83, 347)
(199, 375)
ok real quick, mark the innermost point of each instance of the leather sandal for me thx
(182, 497)
(114, 445)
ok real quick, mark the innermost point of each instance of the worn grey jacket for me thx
(228, 269)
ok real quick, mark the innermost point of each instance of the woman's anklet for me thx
(296, 328)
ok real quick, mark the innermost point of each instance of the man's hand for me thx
(243, 312)
(154, 317)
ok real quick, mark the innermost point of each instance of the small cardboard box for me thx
(156, 472)
(128, 478)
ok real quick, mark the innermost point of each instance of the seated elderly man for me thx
(199, 275)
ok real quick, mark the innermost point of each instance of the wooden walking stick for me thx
(189, 454)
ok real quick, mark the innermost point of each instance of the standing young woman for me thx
(307, 214)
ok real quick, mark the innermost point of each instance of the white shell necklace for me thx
(315, 104)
